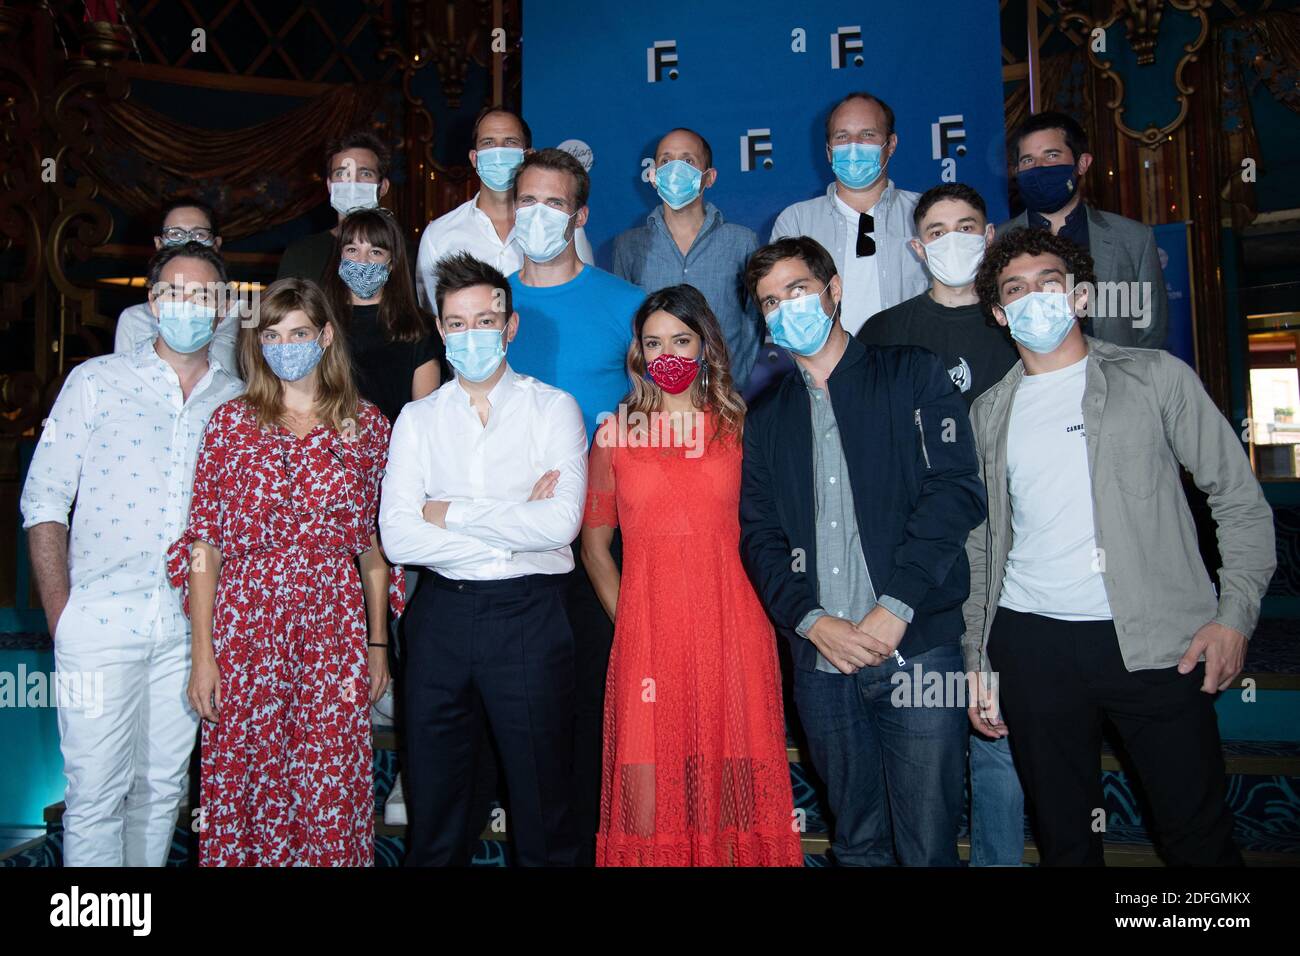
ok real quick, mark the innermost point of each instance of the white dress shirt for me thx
(122, 442)
(467, 228)
(137, 325)
(441, 451)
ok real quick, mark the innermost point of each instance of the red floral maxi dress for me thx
(287, 770)
(695, 765)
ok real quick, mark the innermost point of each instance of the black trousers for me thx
(1057, 681)
(504, 650)
(593, 637)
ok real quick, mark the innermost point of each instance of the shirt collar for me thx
(853, 353)
(146, 354)
(1072, 219)
(711, 214)
(499, 393)
(886, 197)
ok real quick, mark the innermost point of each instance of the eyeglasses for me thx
(177, 234)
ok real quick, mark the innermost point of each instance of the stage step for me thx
(815, 845)
(1253, 758)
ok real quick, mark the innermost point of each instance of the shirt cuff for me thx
(449, 518)
(896, 607)
(808, 620)
(452, 522)
(43, 514)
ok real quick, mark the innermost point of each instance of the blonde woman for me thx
(287, 596)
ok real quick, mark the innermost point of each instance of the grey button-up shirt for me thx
(843, 582)
(648, 256)
(901, 274)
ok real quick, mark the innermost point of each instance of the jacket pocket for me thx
(1134, 466)
(920, 430)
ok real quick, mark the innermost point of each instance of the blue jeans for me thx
(997, 804)
(893, 773)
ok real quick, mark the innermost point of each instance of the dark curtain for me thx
(257, 177)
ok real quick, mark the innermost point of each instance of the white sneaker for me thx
(381, 711)
(395, 805)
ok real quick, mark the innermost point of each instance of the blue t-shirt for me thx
(575, 337)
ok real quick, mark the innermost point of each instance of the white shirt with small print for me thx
(121, 444)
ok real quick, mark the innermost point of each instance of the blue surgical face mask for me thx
(857, 165)
(350, 195)
(365, 279)
(292, 360)
(1040, 321)
(678, 183)
(801, 325)
(476, 353)
(540, 231)
(1045, 189)
(185, 326)
(497, 166)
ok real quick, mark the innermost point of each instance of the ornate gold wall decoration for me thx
(1143, 19)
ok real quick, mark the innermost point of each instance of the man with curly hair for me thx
(1088, 598)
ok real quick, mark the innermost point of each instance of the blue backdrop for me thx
(757, 80)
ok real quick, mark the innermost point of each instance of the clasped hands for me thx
(435, 512)
(867, 643)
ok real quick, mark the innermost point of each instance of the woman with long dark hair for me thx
(288, 596)
(695, 766)
(396, 355)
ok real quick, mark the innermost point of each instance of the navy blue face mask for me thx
(1046, 189)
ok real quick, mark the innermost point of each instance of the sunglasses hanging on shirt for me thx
(866, 226)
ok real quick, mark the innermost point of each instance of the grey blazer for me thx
(1123, 250)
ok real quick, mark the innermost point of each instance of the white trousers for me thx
(126, 748)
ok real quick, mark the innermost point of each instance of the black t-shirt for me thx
(385, 369)
(308, 258)
(975, 354)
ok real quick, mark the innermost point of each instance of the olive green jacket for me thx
(1144, 413)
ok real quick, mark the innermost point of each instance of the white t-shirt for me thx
(1054, 568)
(860, 274)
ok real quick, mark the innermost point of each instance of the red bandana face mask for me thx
(673, 373)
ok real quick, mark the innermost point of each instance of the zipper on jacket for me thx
(921, 431)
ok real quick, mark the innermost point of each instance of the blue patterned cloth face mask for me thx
(497, 166)
(291, 361)
(856, 165)
(678, 183)
(801, 325)
(185, 326)
(475, 353)
(1040, 321)
(365, 279)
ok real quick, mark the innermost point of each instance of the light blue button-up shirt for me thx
(648, 256)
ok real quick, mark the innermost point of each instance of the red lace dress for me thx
(287, 771)
(695, 765)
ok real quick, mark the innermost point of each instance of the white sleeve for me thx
(583, 247)
(225, 344)
(425, 275)
(404, 534)
(132, 328)
(55, 472)
(785, 225)
(546, 524)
